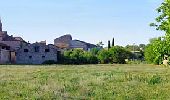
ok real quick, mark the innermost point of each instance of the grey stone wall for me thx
(28, 54)
(4, 56)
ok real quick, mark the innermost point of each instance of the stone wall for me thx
(13, 44)
(36, 53)
(4, 56)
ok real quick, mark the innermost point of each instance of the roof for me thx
(88, 44)
(2, 44)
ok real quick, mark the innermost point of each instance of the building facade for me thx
(36, 53)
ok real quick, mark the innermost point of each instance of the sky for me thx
(87, 20)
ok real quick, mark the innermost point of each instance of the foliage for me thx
(155, 51)
(113, 42)
(109, 45)
(137, 51)
(104, 56)
(78, 56)
(132, 47)
(163, 20)
(161, 46)
(116, 54)
(119, 54)
(100, 44)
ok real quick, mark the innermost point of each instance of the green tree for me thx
(116, 54)
(113, 42)
(77, 56)
(109, 46)
(104, 56)
(163, 20)
(155, 51)
(119, 54)
(160, 46)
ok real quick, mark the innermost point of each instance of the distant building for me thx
(8, 46)
(66, 42)
(14, 42)
(36, 53)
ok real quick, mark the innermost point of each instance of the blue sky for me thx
(88, 20)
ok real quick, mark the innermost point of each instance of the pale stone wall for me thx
(33, 57)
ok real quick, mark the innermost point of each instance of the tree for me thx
(116, 54)
(109, 44)
(113, 42)
(104, 56)
(100, 44)
(142, 46)
(159, 47)
(119, 54)
(155, 51)
(163, 20)
(132, 48)
(77, 56)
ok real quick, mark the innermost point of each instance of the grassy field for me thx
(94, 82)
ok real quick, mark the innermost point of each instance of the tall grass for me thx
(127, 82)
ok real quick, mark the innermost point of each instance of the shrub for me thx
(116, 54)
(77, 56)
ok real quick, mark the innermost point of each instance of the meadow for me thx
(84, 82)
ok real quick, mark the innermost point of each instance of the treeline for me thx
(116, 54)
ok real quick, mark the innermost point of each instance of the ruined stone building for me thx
(36, 53)
(16, 50)
(14, 42)
(66, 42)
(8, 46)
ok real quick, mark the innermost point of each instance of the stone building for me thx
(8, 46)
(36, 53)
(14, 42)
(66, 42)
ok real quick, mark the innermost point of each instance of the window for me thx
(43, 56)
(47, 50)
(25, 50)
(30, 57)
(36, 49)
(3, 47)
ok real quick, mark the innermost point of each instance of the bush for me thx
(77, 56)
(116, 54)
(104, 56)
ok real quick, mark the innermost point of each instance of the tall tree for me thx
(109, 44)
(113, 42)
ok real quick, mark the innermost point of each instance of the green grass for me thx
(89, 82)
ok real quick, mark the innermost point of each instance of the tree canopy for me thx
(159, 47)
(163, 20)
